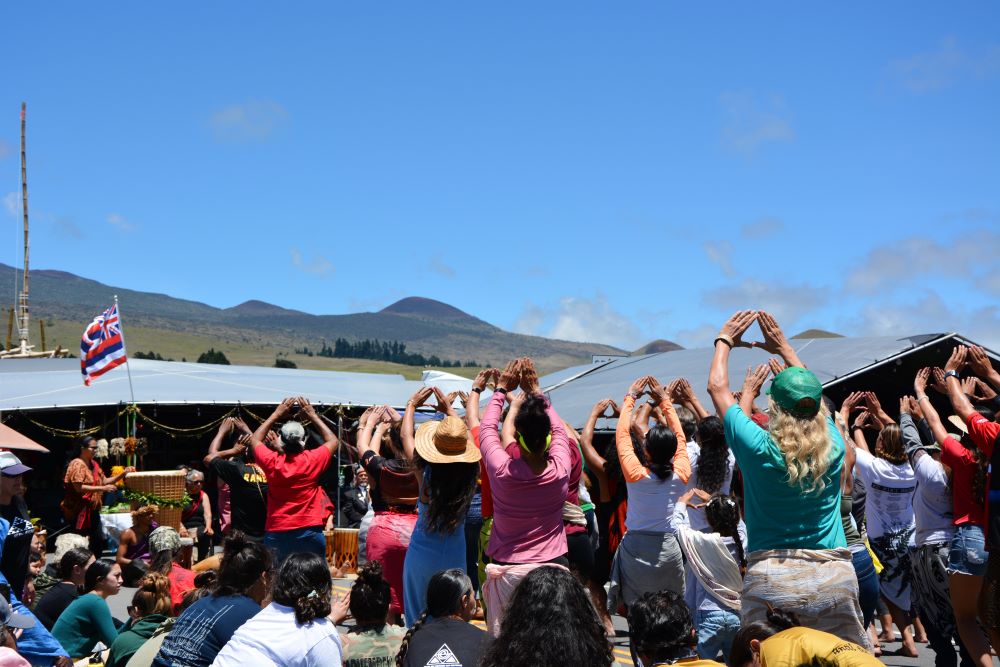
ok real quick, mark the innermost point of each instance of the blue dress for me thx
(428, 554)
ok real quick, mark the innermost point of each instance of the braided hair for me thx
(723, 516)
(713, 461)
(445, 591)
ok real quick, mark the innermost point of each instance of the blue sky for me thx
(577, 170)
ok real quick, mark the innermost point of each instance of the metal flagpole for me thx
(128, 367)
(340, 471)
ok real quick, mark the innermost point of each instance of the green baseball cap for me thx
(792, 386)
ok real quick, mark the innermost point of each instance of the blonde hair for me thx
(805, 444)
(153, 596)
(146, 511)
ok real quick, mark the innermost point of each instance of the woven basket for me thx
(167, 484)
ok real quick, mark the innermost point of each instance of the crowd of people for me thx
(804, 534)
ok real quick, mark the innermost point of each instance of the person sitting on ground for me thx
(550, 621)
(295, 504)
(717, 560)
(165, 545)
(371, 642)
(791, 475)
(246, 480)
(202, 629)
(150, 607)
(87, 620)
(196, 518)
(662, 632)
(781, 641)
(72, 573)
(11, 624)
(292, 631)
(443, 632)
(133, 548)
(143, 657)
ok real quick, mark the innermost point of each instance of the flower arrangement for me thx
(102, 449)
(117, 447)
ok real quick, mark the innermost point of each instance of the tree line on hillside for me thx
(391, 350)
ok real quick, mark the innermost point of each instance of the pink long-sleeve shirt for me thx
(527, 507)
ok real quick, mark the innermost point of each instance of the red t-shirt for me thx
(984, 434)
(181, 581)
(963, 470)
(294, 497)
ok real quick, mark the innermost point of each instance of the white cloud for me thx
(762, 228)
(944, 66)
(438, 266)
(255, 120)
(318, 266)
(752, 122)
(120, 222)
(969, 255)
(580, 319)
(787, 302)
(718, 253)
(11, 205)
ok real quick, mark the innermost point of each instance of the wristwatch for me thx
(951, 374)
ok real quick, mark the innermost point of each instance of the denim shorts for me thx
(716, 631)
(968, 551)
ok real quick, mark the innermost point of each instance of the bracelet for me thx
(950, 374)
(476, 390)
(725, 339)
(634, 395)
(923, 398)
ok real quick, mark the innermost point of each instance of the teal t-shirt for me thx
(779, 515)
(86, 621)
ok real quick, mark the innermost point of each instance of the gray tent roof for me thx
(29, 384)
(575, 391)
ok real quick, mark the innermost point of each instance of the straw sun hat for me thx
(446, 441)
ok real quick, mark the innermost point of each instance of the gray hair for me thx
(195, 476)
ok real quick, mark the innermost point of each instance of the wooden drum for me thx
(330, 548)
(345, 547)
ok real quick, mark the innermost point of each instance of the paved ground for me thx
(119, 602)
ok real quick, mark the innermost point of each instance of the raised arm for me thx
(595, 462)
(228, 425)
(330, 440)
(933, 420)
(508, 432)
(775, 341)
(366, 426)
(959, 401)
(483, 378)
(752, 384)
(718, 375)
(494, 455)
(280, 411)
(631, 466)
(875, 408)
(682, 464)
(682, 393)
(406, 429)
(982, 367)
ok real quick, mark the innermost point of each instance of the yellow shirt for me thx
(795, 646)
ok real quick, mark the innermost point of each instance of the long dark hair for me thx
(96, 571)
(304, 584)
(243, 564)
(532, 423)
(445, 591)
(82, 443)
(777, 620)
(550, 621)
(450, 489)
(661, 628)
(713, 461)
(162, 561)
(370, 594)
(660, 447)
(723, 516)
(72, 558)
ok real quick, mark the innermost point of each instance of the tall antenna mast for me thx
(23, 296)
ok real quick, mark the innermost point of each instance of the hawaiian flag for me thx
(102, 347)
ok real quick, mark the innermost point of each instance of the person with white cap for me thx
(17, 543)
(448, 461)
(296, 505)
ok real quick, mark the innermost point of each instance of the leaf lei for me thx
(153, 499)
